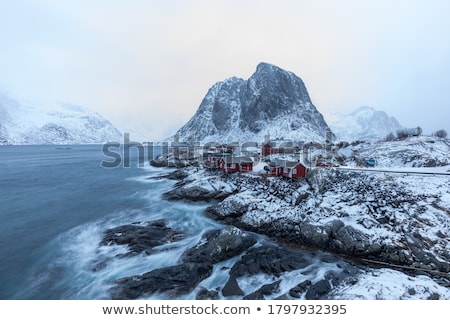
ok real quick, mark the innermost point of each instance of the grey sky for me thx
(147, 64)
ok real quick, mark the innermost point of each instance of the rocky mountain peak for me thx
(364, 123)
(271, 101)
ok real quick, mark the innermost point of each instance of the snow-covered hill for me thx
(397, 221)
(423, 151)
(272, 101)
(365, 123)
(23, 123)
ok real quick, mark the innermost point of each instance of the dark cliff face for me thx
(271, 101)
(225, 111)
(272, 92)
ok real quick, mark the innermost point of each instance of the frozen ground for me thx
(424, 151)
(400, 220)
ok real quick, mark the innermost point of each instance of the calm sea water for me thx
(55, 204)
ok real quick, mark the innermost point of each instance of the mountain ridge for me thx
(363, 123)
(272, 101)
(65, 123)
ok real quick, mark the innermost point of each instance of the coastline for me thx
(376, 225)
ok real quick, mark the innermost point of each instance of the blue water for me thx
(55, 204)
(52, 197)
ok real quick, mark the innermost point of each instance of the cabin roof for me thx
(234, 159)
(285, 163)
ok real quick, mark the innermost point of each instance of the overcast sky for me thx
(146, 65)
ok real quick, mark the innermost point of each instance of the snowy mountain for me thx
(272, 101)
(365, 123)
(23, 123)
(416, 152)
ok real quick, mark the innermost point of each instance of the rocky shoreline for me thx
(367, 219)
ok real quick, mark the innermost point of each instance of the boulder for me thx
(232, 288)
(174, 281)
(269, 260)
(220, 245)
(227, 210)
(195, 192)
(348, 240)
(141, 237)
(318, 290)
(299, 289)
(178, 174)
(205, 294)
(265, 290)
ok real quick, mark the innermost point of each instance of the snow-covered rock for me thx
(388, 284)
(272, 101)
(421, 151)
(365, 123)
(24, 123)
(200, 187)
(399, 221)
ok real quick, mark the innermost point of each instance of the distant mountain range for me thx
(276, 102)
(22, 123)
(365, 123)
(272, 101)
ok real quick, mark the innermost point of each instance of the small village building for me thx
(228, 164)
(268, 149)
(294, 170)
(232, 164)
(287, 169)
(246, 164)
(222, 158)
(278, 147)
(212, 162)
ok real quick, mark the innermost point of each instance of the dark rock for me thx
(270, 288)
(316, 235)
(302, 197)
(265, 290)
(299, 289)
(205, 294)
(440, 234)
(269, 260)
(227, 209)
(196, 193)
(141, 237)
(219, 245)
(257, 295)
(382, 220)
(350, 241)
(158, 162)
(174, 281)
(317, 290)
(179, 174)
(434, 296)
(232, 288)
(419, 249)
(99, 266)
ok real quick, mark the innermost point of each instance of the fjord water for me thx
(56, 202)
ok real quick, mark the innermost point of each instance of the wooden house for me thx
(287, 169)
(232, 164)
(278, 147)
(245, 164)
